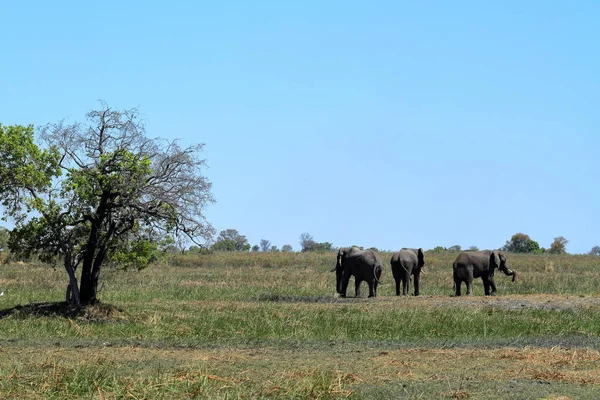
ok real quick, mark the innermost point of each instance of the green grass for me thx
(270, 326)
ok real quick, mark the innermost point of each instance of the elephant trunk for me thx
(510, 272)
(338, 274)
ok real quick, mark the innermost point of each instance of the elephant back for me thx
(408, 255)
(480, 258)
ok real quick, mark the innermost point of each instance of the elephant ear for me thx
(340, 256)
(495, 259)
(421, 257)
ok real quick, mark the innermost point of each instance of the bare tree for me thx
(265, 245)
(307, 242)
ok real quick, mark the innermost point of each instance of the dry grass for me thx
(271, 326)
(278, 372)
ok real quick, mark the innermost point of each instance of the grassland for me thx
(270, 326)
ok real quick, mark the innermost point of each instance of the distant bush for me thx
(324, 260)
(308, 244)
(439, 249)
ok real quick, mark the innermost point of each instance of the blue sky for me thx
(389, 124)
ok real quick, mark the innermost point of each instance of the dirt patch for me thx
(509, 302)
(506, 302)
(274, 297)
(204, 283)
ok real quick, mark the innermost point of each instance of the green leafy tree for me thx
(522, 243)
(473, 248)
(558, 246)
(286, 248)
(4, 236)
(455, 249)
(595, 251)
(255, 248)
(231, 240)
(194, 249)
(323, 246)
(224, 245)
(96, 192)
(274, 249)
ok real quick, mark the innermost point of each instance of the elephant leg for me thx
(357, 283)
(417, 282)
(486, 286)
(398, 287)
(405, 285)
(457, 283)
(372, 288)
(492, 287)
(345, 280)
(470, 285)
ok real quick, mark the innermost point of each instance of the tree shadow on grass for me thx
(98, 312)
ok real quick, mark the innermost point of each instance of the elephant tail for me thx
(378, 271)
(403, 266)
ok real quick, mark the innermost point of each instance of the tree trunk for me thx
(89, 280)
(87, 292)
(72, 296)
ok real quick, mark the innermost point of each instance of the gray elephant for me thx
(365, 265)
(475, 264)
(406, 263)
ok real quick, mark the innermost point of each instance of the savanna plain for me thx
(269, 325)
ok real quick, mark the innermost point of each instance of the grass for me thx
(271, 326)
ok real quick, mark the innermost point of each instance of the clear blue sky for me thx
(389, 124)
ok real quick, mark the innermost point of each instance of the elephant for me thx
(405, 263)
(475, 264)
(365, 265)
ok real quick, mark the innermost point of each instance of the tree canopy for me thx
(558, 246)
(522, 243)
(99, 192)
(231, 240)
(4, 236)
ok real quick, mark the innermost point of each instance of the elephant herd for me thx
(365, 265)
